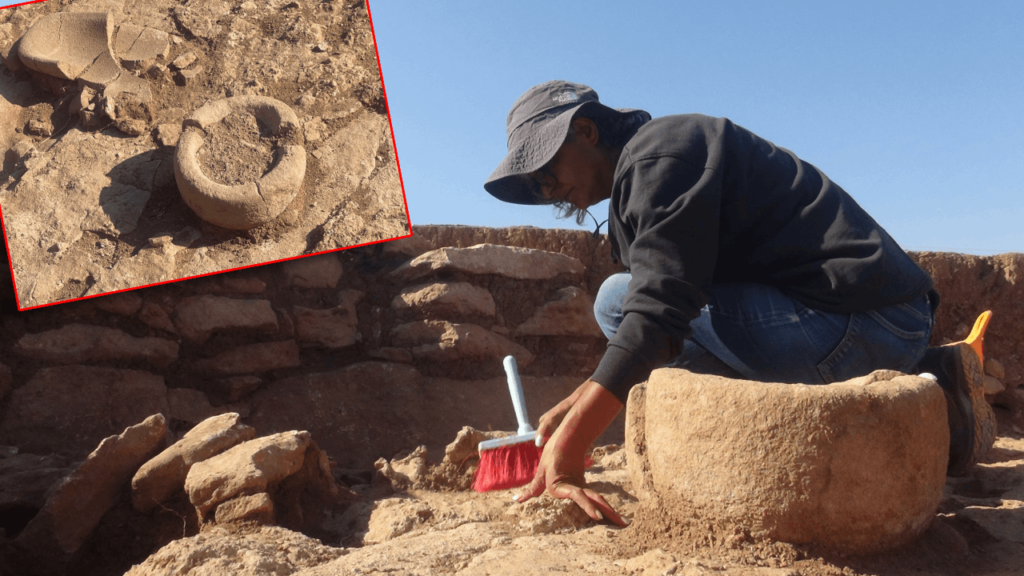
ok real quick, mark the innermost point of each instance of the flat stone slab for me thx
(570, 312)
(163, 476)
(198, 317)
(320, 271)
(451, 300)
(507, 261)
(78, 343)
(25, 478)
(252, 359)
(855, 467)
(440, 341)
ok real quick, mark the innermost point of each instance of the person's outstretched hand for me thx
(577, 421)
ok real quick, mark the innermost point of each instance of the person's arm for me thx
(583, 417)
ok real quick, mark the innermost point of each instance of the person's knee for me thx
(608, 302)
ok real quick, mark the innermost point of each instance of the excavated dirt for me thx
(237, 150)
(89, 202)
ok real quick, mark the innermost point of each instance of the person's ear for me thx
(585, 130)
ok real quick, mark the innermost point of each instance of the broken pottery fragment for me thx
(856, 467)
(242, 206)
(79, 46)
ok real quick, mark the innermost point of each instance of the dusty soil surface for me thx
(90, 208)
(237, 150)
(437, 526)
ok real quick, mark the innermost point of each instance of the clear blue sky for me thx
(915, 108)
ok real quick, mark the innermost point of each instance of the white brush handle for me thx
(515, 389)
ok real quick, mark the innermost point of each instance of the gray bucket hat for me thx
(537, 126)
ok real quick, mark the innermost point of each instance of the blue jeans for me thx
(761, 334)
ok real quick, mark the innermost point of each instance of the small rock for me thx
(168, 134)
(404, 472)
(992, 385)
(994, 368)
(155, 316)
(184, 61)
(131, 126)
(189, 77)
(22, 150)
(546, 514)
(39, 128)
(258, 508)
(321, 47)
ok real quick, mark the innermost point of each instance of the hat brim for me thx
(532, 151)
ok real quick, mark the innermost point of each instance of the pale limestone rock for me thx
(508, 261)
(796, 463)
(76, 343)
(410, 247)
(198, 317)
(257, 508)
(333, 328)
(570, 312)
(247, 468)
(404, 472)
(451, 300)
(320, 271)
(160, 478)
(76, 506)
(123, 304)
(441, 341)
(392, 517)
(70, 409)
(252, 359)
(271, 551)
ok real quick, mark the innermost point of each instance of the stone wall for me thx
(373, 350)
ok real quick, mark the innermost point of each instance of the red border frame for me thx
(394, 147)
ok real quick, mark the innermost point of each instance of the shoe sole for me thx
(969, 380)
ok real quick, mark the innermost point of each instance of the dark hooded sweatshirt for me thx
(700, 201)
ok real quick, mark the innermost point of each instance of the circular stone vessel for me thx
(248, 205)
(856, 467)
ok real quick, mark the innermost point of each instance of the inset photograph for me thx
(150, 142)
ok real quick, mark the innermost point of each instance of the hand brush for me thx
(511, 461)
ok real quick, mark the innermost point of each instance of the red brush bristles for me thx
(507, 466)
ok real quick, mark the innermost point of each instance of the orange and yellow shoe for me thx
(958, 367)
